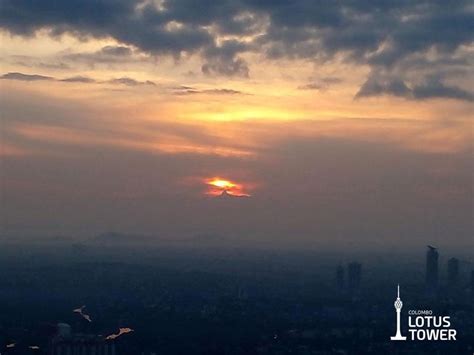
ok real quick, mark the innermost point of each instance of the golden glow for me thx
(223, 184)
(229, 117)
(223, 187)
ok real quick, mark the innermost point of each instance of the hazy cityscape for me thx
(70, 299)
(236, 177)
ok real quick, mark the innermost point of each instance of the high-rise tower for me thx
(354, 275)
(340, 277)
(432, 269)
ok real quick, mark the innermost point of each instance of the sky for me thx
(292, 123)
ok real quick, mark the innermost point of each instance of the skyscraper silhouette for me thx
(453, 271)
(354, 275)
(432, 269)
(340, 277)
(471, 282)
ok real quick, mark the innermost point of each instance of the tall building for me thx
(340, 277)
(354, 275)
(432, 269)
(453, 271)
(471, 282)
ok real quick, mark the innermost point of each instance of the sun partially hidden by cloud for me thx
(223, 187)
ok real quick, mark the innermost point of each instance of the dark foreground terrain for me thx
(216, 301)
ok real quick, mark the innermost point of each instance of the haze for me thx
(346, 124)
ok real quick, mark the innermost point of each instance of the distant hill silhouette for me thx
(121, 238)
(226, 195)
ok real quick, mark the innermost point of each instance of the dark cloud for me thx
(223, 59)
(25, 77)
(321, 84)
(376, 86)
(245, 23)
(79, 79)
(126, 81)
(432, 87)
(189, 90)
(35, 62)
(119, 51)
(132, 22)
(385, 35)
(54, 66)
(435, 88)
(76, 79)
(224, 92)
(130, 82)
(105, 55)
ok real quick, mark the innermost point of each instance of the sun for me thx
(222, 184)
(224, 187)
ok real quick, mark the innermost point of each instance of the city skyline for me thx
(236, 177)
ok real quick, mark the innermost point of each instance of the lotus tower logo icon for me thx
(398, 307)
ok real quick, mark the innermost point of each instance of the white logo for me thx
(423, 325)
(398, 307)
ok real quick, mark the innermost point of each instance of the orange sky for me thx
(276, 128)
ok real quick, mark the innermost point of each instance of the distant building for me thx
(78, 249)
(340, 277)
(432, 269)
(354, 275)
(453, 271)
(471, 281)
(242, 293)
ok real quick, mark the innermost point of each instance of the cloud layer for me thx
(391, 37)
(75, 79)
